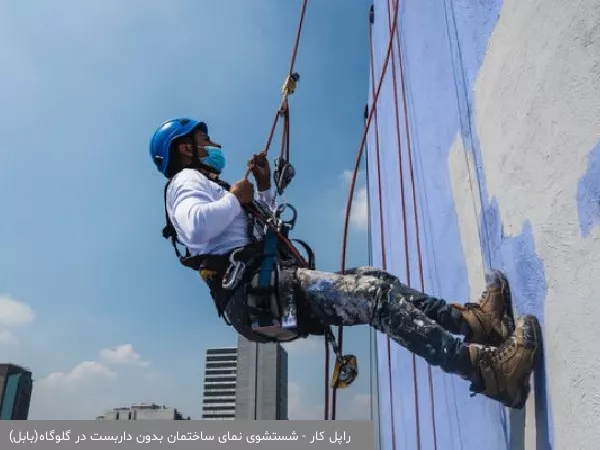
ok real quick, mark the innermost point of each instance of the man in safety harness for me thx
(261, 284)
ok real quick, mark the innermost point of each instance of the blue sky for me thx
(92, 298)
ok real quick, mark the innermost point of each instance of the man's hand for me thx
(244, 191)
(259, 166)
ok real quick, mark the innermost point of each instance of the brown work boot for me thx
(491, 320)
(504, 373)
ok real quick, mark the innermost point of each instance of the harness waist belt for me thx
(216, 265)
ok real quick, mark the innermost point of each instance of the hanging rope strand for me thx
(381, 225)
(416, 219)
(289, 86)
(362, 145)
(404, 225)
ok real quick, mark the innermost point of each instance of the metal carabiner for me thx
(234, 272)
(290, 223)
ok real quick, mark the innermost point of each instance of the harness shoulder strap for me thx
(169, 231)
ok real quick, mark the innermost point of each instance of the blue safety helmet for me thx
(160, 144)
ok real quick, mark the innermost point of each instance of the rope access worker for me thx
(210, 219)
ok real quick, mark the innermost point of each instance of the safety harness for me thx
(257, 267)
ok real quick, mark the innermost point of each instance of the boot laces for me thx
(485, 356)
(504, 349)
(484, 296)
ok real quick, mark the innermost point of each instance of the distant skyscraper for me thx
(143, 412)
(246, 383)
(15, 392)
(220, 384)
(262, 381)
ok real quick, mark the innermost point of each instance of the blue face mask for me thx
(214, 159)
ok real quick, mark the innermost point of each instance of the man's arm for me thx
(199, 218)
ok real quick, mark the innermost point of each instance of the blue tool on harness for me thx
(273, 310)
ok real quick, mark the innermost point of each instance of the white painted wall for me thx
(537, 116)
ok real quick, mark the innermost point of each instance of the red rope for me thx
(292, 64)
(379, 184)
(404, 222)
(283, 109)
(285, 141)
(373, 112)
(381, 230)
(417, 230)
(372, 109)
(416, 222)
(381, 235)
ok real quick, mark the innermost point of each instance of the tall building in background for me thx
(262, 381)
(15, 392)
(220, 383)
(143, 412)
(247, 383)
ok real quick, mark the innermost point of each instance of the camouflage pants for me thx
(369, 296)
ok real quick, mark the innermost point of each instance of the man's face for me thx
(200, 140)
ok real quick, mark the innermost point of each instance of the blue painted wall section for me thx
(443, 45)
(588, 194)
(516, 256)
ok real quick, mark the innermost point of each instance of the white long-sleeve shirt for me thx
(207, 218)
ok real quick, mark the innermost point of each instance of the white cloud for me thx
(359, 212)
(81, 393)
(297, 410)
(92, 387)
(122, 355)
(349, 407)
(8, 338)
(82, 373)
(305, 347)
(362, 402)
(14, 312)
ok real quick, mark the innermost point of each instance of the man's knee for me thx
(375, 272)
(359, 270)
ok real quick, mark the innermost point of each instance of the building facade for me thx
(220, 373)
(246, 383)
(143, 412)
(15, 392)
(262, 381)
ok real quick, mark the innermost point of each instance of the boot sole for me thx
(533, 338)
(497, 276)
